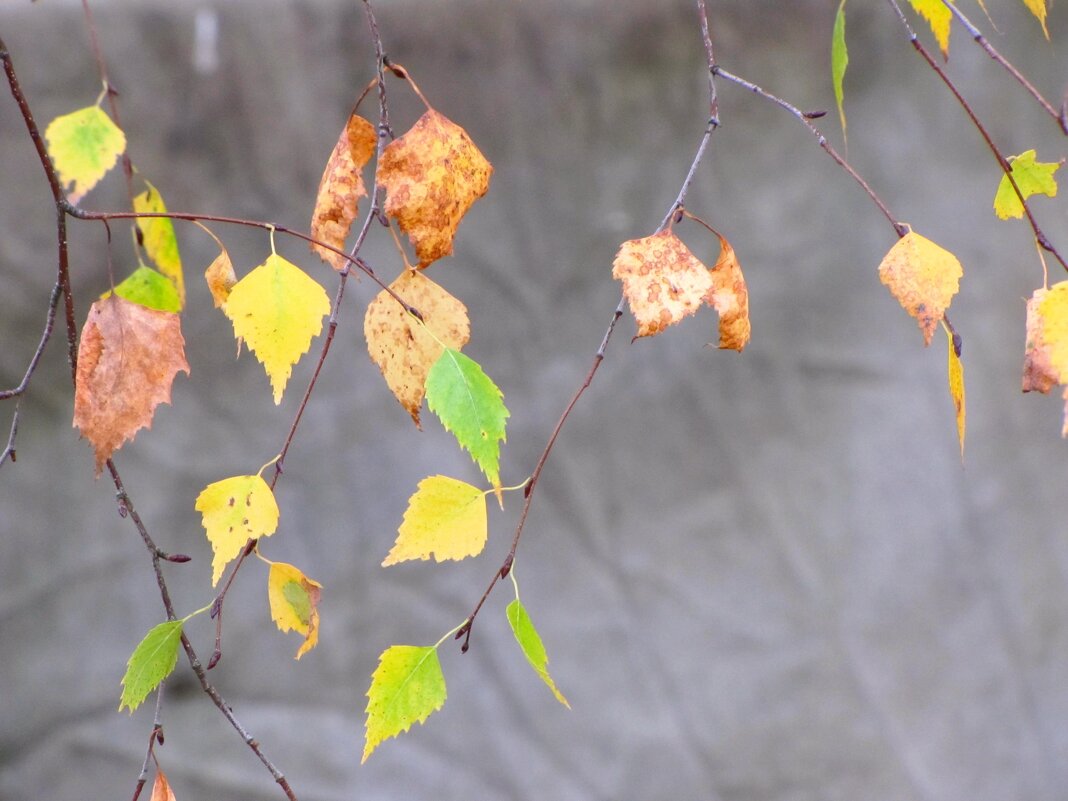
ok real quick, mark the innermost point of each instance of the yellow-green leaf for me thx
(277, 309)
(923, 277)
(839, 61)
(236, 510)
(939, 17)
(84, 145)
(146, 287)
(1038, 8)
(533, 648)
(955, 373)
(151, 662)
(157, 233)
(294, 600)
(445, 519)
(406, 687)
(1033, 178)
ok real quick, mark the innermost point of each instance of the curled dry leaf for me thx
(294, 600)
(1046, 352)
(730, 297)
(923, 277)
(221, 278)
(432, 175)
(402, 348)
(127, 359)
(663, 281)
(161, 788)
(341, 187)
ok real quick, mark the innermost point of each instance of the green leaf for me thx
(84, 145)
(151, 662)
(407, 686)
(157, 233)
(470, 406)
(146, 287)
(839, 61)
(533, 648)
(1033, 178)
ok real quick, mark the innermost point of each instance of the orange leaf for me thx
(1038, 373)
(923, 277)
(341, 187)
(161, 788)
(432, 175)
(127, 359)
(221, 278)
(402, 348)
(663, 281)
(730, 297)
(955, 375)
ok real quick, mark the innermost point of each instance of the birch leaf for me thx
(839, 62)
(533, 648)
(84, 145)
(160, 243)
(294, 601)
(939, 17)
(406, 687)
(341, 187)
(955, 374)
(161, 788)
(151, 662)
(234, 511)
(277, 309)
(730, 297)
(1038, 374)
(221, 278)
(146, 287)
(1046, 353)
(923, 277)
(445, 519)
(1038, 8)
(1033, 178)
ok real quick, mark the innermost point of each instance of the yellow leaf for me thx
(939, 17)
(1046, 351)
(128, 357)
(730, 297)
(445, 519)
(294, 600)
(161, 788)
(663, 281)
(160, 243)
(277, 309)
(221, 278)
(1038, 373)
(402, 348)
(236, 510)
(923, 277)
(1038, 8)
(955, 372)
(84, 145)
(432, 176)
(341, 187)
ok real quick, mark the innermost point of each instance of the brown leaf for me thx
(730, 297)
(161, 788)
(341, 187)
(923, 277)
(402, 348)
(221, 278)
(1038, 372)
(663, 281)
(127, 360)
(432, 175)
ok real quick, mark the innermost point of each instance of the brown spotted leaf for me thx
(663, 281)
(432, 175)
(923, 277)
(730, 297)
(1038, 373)
(1046, 354)
(341, 187)
(127, 360)
(402, 348)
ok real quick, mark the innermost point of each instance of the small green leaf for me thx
(151, 662)
(157, 233)
(533, 648)
(839, 61)
(84, 145)
(146, 287)
(470, 406)
(1033, 178)
(407, 686)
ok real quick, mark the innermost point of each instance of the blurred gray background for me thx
(763, 576)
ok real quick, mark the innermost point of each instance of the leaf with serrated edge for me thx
(294, 601)
(127, 360)
(84, 145)
(341, 187)
(151, 662)
(161, 245)
(161, 788)
(432, 175)
(955, 374)
(235, 510)
(939, 18)
(1033, 178)
(533, 648)
(445, 519)
(277, 309)
(839, 62)
(403, 349)
(470, 406)
(923, 277)
(406, 687)
(1038, 8)
(148, 288)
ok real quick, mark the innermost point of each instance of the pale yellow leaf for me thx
(445, 519)
(236, 510)
(923, 277)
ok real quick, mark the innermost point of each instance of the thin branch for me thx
(991, 51)
(155, 736)
(50, 321)
(1003, 162)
